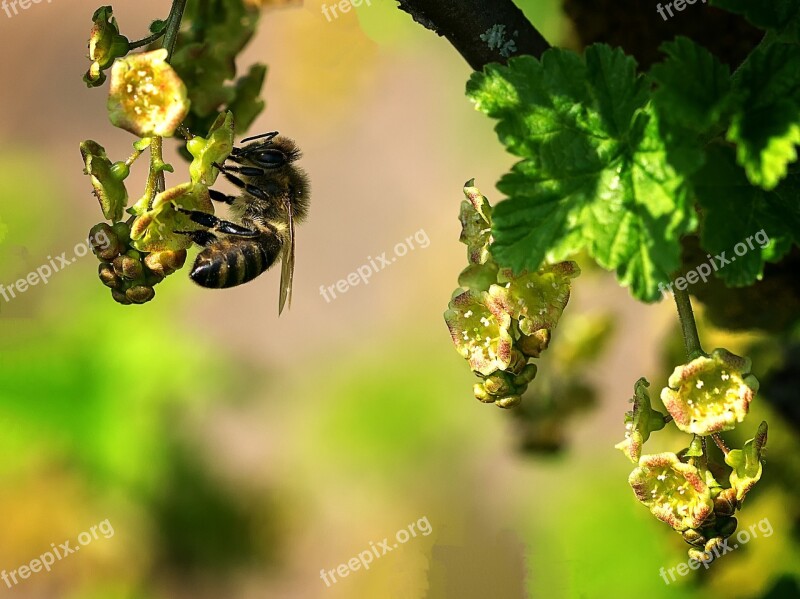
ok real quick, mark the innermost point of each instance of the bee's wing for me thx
(287, 262)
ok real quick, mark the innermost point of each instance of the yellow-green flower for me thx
(536, 299)
(154, 230)
(214, 148)
(675, 492)
(711, 393)
(105, 46)
(146, 96)
(639, 422)
(480, 336)
(746, 463)
(476, 224)
(108, 179)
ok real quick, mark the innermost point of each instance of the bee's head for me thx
(270, 159)
(270, 152)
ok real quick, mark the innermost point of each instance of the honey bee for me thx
(274, 196)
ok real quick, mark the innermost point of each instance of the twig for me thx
(505, 30)
(688, 327)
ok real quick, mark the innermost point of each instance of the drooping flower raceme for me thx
(499, 319)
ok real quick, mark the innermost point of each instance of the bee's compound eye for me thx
(270, 158)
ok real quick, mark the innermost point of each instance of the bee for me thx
(274, 196)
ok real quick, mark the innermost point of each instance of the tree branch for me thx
(482, 31)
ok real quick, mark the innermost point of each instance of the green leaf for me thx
(780, 16)
(766, 123)
(247, 104)
(735, 211)
(693, 85)
(595, 173)
(205, 58)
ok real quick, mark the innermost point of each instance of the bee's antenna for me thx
(268, 136)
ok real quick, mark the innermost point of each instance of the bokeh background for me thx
(237, 454)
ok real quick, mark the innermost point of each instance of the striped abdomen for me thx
(232, 261)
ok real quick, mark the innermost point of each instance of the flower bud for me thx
(481, 394)
(104, 241)
(526, 376)
(694, 537)
(498, 384)
(508, 401)
(128, 267)
(140, 294)
(165, 263)
(725, 527)
(108, 277)
(123, 233)
(518, 362)
(725, 503)
(120, 297)
(533, 345)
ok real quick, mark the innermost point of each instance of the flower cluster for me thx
(149, 98)
(151, 244)
(129, 273)
(711, 393)
(500, 320)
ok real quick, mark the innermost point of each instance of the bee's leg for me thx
(247, 171)
(217, 224)
(218, 196)
(251, 189)
(202, 238)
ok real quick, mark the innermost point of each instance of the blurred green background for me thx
(237, 454)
